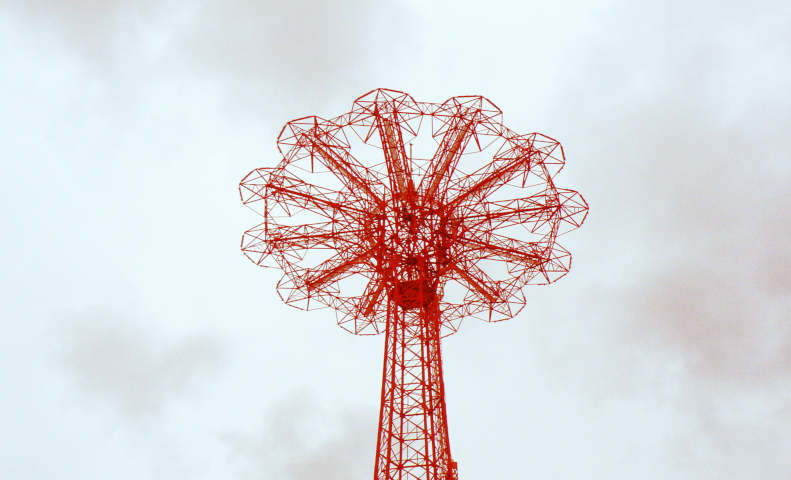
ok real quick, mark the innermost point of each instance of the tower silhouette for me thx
(405, 217)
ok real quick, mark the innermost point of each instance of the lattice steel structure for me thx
(405, 217)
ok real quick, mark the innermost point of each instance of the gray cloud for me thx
(682, 146)
(306, 50)
(258, 52)
(120, 363)
(726, 295)
(98, 30)
(301, 439)
(678, 125)
(718, 288)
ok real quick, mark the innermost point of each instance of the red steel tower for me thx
(405, 217)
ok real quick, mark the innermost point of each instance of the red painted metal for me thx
(405, 217)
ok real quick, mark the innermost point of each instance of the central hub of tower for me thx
(416, 241)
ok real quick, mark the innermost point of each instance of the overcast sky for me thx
(140, 343)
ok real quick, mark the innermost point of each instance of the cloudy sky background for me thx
(139, 343)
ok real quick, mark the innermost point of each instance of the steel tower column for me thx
(413, 440)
